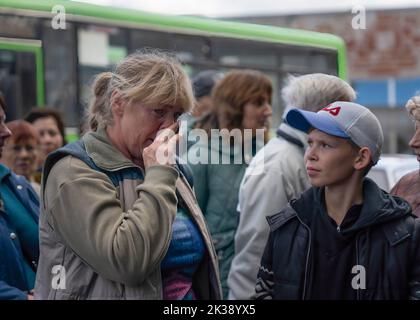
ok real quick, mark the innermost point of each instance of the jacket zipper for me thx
(307, 258)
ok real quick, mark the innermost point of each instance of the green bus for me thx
(51, 49)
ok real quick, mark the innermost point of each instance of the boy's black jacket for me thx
(387, 246)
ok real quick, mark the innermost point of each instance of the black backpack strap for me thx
(287, 137)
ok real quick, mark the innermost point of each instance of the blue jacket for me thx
(15, 259)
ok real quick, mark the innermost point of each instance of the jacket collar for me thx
(102, 151)
(4, 171)
(279, 219)
(295, 133)
(378, 206)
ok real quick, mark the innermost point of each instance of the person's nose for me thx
(414, 143)
(310, 154)
(5, 131)
(24, 153)
(268, 110)
(168, 121)
(47, 138)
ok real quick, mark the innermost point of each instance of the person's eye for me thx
(159, 112)
(260, 102)
(326, 145)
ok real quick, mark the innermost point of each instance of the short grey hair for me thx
(413, 107)
(314, 91)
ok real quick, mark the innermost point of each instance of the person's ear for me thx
(363, 159)
(117, 104)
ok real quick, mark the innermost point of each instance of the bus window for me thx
(189, 49)
(18, 82)
(150, 39)
(99, 49)
(60, 60)
(192, 49)
(328, 64)
(305, 61)
(242, 53)
(19, 27)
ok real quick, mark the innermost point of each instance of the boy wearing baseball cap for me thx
(344, 238)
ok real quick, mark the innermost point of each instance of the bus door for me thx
(21, 75)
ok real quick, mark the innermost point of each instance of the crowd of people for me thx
(248, 215)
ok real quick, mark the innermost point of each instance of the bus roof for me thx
(185, 24)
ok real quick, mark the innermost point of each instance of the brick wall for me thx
(388, 47)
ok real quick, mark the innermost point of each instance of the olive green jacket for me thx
(99, 241)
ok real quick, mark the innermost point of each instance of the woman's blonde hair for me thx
(150, 77)
(413, 107)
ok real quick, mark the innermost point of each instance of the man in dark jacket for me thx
(19, 248)
(344, 238)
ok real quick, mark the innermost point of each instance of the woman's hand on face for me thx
(163, 149)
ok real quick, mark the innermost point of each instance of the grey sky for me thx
(223, 8)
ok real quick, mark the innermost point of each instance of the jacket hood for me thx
(378, 206)
(97, 144)
(4, 171)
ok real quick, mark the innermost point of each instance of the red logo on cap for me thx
(333, 111)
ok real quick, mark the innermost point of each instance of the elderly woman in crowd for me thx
(409, 186)
(241, 100)
(50, 126)
(21, 151)
(19, 245)
(119, 219)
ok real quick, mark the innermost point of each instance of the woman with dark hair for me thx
(50, 126)
(242, 105)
